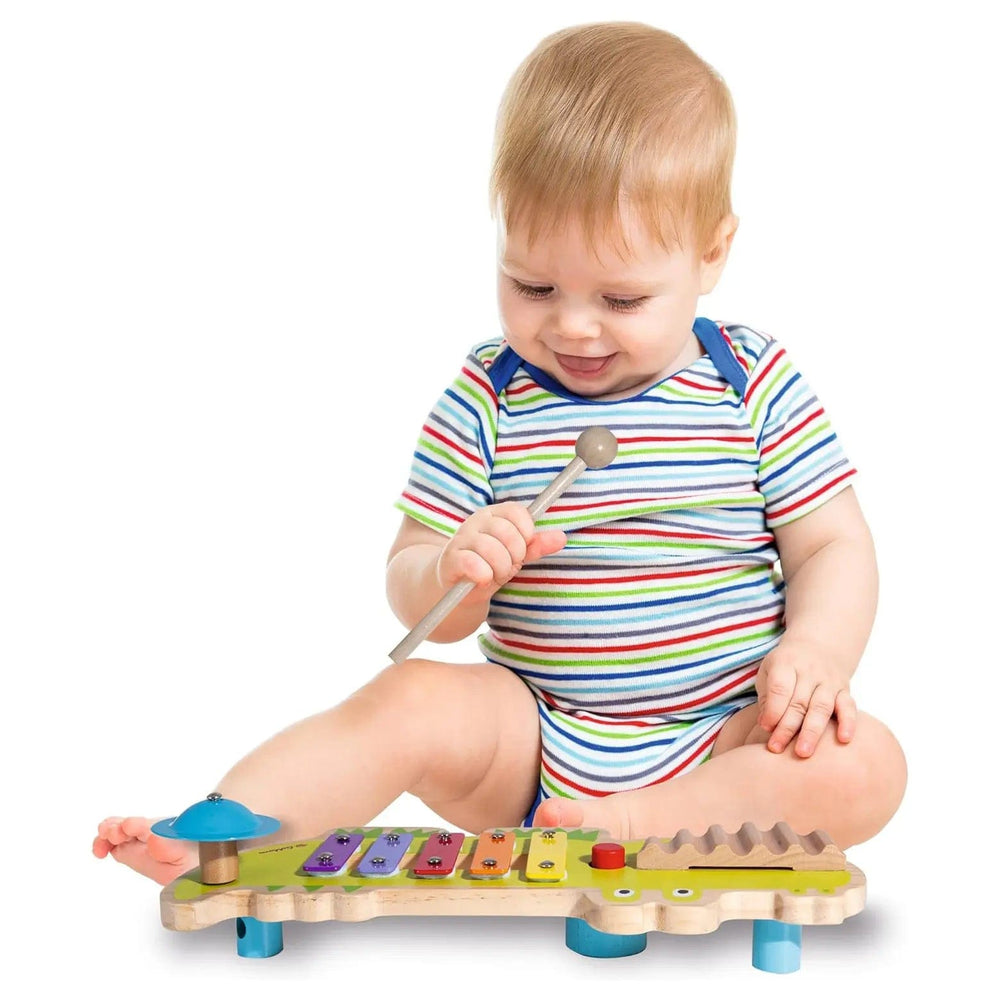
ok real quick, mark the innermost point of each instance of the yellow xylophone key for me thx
(546, 856)
(493, 854)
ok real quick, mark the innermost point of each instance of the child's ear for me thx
(715, 259)
(724, 239)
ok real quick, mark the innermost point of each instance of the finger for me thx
(791, 721)
(815, 722)
(495, 554)
(545, 543)
(777, 695)
(509, 536)
(464, 564)
(517, 514)
(847, 717)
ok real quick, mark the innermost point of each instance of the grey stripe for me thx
(757, 558)
(447, 500)
(799, 487)
(636, 700)
(791, 417)
(500, 630)
(437, 418)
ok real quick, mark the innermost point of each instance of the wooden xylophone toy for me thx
(611, 892)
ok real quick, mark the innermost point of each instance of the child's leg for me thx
(849, 790)
(463, 738)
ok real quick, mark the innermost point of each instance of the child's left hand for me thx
(800, 686)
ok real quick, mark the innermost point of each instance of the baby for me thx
(648, 664)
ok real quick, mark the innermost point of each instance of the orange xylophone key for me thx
(493, 854)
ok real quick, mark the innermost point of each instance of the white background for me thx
(227, 228)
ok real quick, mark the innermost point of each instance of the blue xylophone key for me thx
(331, 857)
(383, 857)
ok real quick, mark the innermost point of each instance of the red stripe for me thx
(694, 703)
(600, 503)
(739, 357)
(451, 444)
(759, 377)
(521, 389)
(527, 577)
(798, 503)
(791, 431)
(621, 503)
(636, 647)
(697, 385)
(600, 530)
(487, 385)
(430, 506)
(570, 442)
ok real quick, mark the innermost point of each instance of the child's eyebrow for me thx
(623, 283)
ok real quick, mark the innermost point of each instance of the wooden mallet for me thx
(596, 448)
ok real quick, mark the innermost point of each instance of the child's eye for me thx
(541, 291)
(531, 291)
(626, 305)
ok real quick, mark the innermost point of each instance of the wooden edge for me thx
(652, 910)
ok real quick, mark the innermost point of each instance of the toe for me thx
(136, 827)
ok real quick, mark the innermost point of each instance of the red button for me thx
(607, 856)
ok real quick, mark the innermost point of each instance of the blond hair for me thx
(601, 112)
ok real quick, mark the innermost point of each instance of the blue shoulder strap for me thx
(508, 361)
(721, 354)
(502, 370)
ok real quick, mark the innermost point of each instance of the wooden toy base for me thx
(608, 911)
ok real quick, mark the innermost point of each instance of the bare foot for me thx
(129, 841)
(601, 813)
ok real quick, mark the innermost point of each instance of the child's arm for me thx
(828, 562)
(489, 548)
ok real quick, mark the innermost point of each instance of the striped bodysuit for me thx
(643, 635)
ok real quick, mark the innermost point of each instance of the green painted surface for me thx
(279, 867)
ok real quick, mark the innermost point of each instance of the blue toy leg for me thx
(584, 940)
(257, 938)
(777, 947)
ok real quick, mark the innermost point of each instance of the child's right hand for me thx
(491, 546)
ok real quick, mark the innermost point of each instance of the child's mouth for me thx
(584, 367)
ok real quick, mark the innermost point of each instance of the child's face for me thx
(600, 326)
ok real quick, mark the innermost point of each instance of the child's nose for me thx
(577, 323)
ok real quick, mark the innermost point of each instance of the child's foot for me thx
(602, 814)
(130, 842)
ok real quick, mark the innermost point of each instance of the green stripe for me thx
(419, 515)
(465, 386)
(682, 504)
(450, 458)
(667, 727)
(794, 445)
(776, 375)
(622, 662)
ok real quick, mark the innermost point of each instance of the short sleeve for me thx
(802, 464)
(453, 459)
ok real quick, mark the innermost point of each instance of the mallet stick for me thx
(596, 448)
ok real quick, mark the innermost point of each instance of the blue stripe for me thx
(770, 406)
(487, 499)
(797, 458)
(484, 444)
